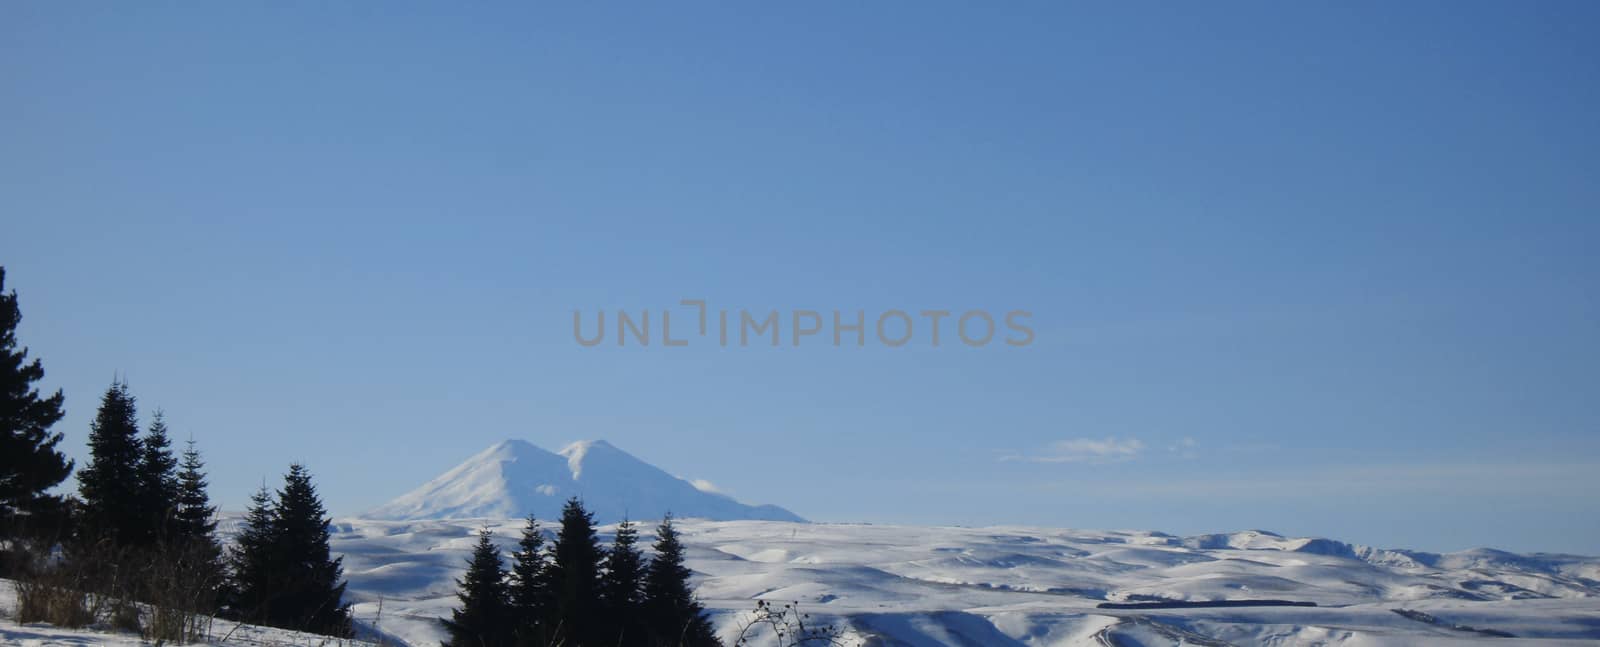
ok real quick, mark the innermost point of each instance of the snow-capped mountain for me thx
(515, 478)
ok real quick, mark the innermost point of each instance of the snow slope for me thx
(514, 478)
(221, 632)
(899, 585)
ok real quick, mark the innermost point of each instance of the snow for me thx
(515, 478)
(1037, 586)
(222, 632)
(908, 585)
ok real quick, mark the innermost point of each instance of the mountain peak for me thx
(515, 478)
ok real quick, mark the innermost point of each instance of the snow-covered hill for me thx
(905, 585)
(515, 478)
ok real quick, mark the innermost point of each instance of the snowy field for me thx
(901, 585)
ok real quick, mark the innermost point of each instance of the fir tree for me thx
(674, 615)
(575, 578)
(310, 596)
(529, 588)
(29, 463)
(195, 517)
(110, 484)
(158, 482)
(483, 619)
(194, 526)
(621, 587)
(250, 561)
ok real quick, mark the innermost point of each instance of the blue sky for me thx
(1320, 268)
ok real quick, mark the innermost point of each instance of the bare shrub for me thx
(51, 590)
(181, 589)
(788, 626)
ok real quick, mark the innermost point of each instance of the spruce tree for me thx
(622, 586)
(528, 590)
(310, 597)
(483, 619)
(110, 484)
(158, 482)
(194, 526)
(250, 561)
(674, 615)
(575, 578)
(29, 463)
(195, 517)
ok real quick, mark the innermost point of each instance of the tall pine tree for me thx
(195, 518)
(253, 585)
(194, 529)
(674, 615)
(622, 586)
(528, 590)
(110, 484)
(575, 578)
(158, 482)
(483, 619)
(29, 463)
(311, 595)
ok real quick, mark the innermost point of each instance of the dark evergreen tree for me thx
(674, 616)
(483, 619)
(622, 586)
(195, 517)
(29, 463)
(252, 583)
(310, 597)
(575, 579)
(529, 591)
(158, 482)
(110, 484)
(194, 527)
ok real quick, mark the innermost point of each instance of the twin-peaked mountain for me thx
(515, 478)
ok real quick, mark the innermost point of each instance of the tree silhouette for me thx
(575, 578)
(110, 484)
(674, 615)
(483, 619)
(30, 464)
(529, 590)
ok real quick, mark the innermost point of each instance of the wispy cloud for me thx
(1082, 450)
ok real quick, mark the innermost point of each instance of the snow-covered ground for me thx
(903, 585)
(906, 585)
(222, 633)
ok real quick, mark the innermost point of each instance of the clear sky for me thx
(1314, 267)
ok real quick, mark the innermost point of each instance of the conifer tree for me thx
(622, 585)
(194, 525)
(310, 598)
(674, 615)
(483, 619)
(110, 484)
(30, 464)
(250, 561)
(575, 578)
(195, 517)
(528, 590)
(158, 482)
